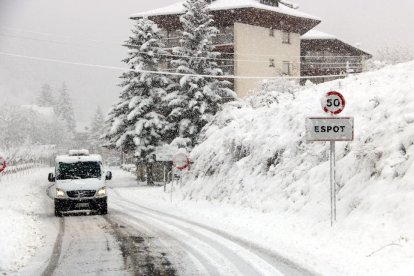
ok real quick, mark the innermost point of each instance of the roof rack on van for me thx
(82, 152)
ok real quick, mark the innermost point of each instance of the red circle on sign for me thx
(180, 161)
(3, 164)
(333, 102)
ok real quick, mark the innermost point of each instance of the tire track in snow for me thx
(204, 265)
(140, 256)
(89, 247)
(57, 249)
(228, 254)
(218, 256)
(279, 263)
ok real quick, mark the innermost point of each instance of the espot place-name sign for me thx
(330, 129)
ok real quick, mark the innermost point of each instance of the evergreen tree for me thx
(146, 119)
(115, 133)
(97, 130)
(137, 122)
(45, 97)
(198, 98)
(64, 109)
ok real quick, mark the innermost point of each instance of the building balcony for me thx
(220, 39)
(227, 68)
(313, 64)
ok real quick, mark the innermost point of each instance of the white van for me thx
(79, 183)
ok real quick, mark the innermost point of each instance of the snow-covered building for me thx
(266, 38)
(258, 38)
(324, 54)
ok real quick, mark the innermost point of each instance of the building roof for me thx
(178, 8)
(314, 35)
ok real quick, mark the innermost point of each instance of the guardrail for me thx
(20, 169)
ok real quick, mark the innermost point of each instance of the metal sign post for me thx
(180, 162)
(172, 184)
(333, 184)
(331, 129)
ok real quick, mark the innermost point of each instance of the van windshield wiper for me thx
(69, 177)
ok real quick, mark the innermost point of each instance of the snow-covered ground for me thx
(257, 159)
(345, 249)
(101, 244)
(260, 182)
(28, 227)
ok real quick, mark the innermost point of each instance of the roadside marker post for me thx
(3, 165)
(331, 129)
(180, 163)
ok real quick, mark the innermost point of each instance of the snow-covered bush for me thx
(272, 91)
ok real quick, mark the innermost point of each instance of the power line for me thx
(268, 56)
(251, 60)
(159, 72)
(58, 35)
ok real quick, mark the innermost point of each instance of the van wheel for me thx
(57, 212)
(103, 210)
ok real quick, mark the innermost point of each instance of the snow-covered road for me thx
(202, 250)
(133, 239)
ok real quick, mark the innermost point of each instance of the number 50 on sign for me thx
(333, 102)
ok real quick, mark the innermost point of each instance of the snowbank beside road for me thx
(28, 227)
(259, 159)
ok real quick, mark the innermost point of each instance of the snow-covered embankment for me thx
(28, 227)
(258, 158)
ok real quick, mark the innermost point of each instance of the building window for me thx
(271, 32)
(271, 62)
(274, 3)
(286, 37)
(286, 68)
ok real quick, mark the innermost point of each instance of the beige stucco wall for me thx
(254, 47)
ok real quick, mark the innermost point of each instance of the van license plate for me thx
(82, 205)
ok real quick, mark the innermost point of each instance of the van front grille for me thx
(81, 193)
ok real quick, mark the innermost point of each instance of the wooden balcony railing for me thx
(312, 63)
(220, 39)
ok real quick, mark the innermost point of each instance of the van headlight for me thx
(60, 193)
(101, 192)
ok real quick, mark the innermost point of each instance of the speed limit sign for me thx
(180, 161)
(333, 102)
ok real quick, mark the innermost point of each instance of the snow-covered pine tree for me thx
(45, 97)
(97, 130)
(138, 120)
(116, 134)
(64, 109)
(198, 98)
(147, 121)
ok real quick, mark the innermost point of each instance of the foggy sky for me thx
(92, 31)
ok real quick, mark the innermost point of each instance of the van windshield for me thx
(78, 170)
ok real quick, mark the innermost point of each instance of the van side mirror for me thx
(108, 175)
(51, 177)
